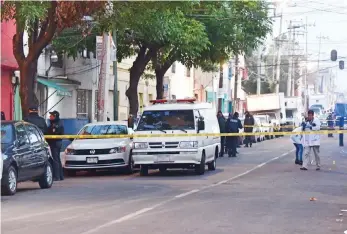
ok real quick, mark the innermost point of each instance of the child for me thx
(297, 141)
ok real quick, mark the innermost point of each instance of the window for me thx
(173, 67)
(39, 134)
(33, 134)
(188, 72)
(7, 133)
(82, 104)
(104, 130)
(21, 135)
(150, 97)
(166, 120)
(141, 102)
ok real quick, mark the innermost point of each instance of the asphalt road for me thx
(260, 191)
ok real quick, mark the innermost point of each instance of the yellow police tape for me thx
(193, 134)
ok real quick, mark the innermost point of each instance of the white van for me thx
(177, 117)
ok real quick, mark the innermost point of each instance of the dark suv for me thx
(26, 156)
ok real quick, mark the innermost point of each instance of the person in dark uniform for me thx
(35, 119)
(330, 121)
(249, 121)
(56, 128)
(221, 122)
(233, 125)
(3, 116)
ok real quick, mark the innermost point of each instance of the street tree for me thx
(231, 28)
(144, 29)
(42, 20)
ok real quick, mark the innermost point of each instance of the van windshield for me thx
(166, 120)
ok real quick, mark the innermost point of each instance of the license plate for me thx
(163, 158)
(92, 160)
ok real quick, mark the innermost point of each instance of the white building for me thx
(179, 82)
(80, 79)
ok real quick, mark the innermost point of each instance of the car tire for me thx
(9, 182)
(162, 169)
(213, 165)
(200, 168)
(143, 170)
(129, 169)
(46, 180)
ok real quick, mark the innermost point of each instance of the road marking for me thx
(122, 219)
(187, 193)
(345, 232)
(343, 210)
(142, 211)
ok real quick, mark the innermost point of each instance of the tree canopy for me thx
(195, 33)
(42, 20)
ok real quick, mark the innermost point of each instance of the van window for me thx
(104, 130)
(167, 120)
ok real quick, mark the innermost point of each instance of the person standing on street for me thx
(221, 122)
(56, 128)
(35, 119)
(299, 148)
(330, 121)
(233, 125)
(249, 121)
(311, 141)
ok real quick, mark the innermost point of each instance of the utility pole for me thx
(318, 76)
(278, 64)
(259, 71)
(306, 64)
(289, 81)
(220, 86)
(236, 81)
(115, 81)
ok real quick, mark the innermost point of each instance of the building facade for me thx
(9, 89)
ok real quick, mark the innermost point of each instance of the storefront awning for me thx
(52, 84)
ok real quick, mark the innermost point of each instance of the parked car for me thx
(101, 153)
(266, 125)
(26, 156)
(258, 130)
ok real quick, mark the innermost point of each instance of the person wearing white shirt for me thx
(311, 141)
(299, 148)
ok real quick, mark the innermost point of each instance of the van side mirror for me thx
(201, 125)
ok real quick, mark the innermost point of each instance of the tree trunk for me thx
(139, 66)
(160, 85)
(159, 75)
(28, 73)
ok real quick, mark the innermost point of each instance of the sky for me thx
(326, 18)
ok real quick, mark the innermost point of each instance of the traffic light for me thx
(342, 64)
(333, 55)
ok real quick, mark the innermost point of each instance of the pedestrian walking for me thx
(299, 148)
(233, 125)
(56, 128)
(330, 121)
(249, 121)
(311, 141)
(221, 122)
(35, 119)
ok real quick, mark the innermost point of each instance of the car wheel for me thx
(144, 170)
(46, 180)
(162, 169)
(200, 168)
(212, 165)
(9, 185)
(129, 169)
